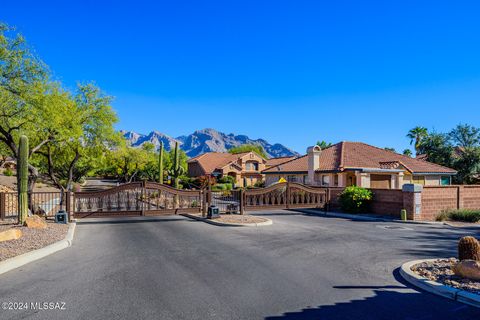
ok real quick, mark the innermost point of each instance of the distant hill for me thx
(206, 140)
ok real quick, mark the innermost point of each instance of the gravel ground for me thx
(441, 271)
(237, 218)
(234, 218)
(32, 239)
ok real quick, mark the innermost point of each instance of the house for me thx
(356, 163)
(245, 167)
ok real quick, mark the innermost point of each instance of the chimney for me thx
(313, 155)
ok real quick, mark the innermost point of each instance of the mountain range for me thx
(206, 140)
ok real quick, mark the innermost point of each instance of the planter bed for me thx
(440, 270)
(31, 239)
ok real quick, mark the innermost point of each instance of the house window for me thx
(419, 180)
(305, 178)
(325, 180)
(292, 178)
(335, 180)
(251, 166)
(445, 181)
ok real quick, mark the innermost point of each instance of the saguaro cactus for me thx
(160, 164)
(22, 179)
(468, 249)
(177, 170)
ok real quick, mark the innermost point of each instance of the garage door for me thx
(380, 181)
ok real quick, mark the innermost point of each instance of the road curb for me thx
(368, 218)
(435, 287)
(224, 224)
(34, 255)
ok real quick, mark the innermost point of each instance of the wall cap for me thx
(410, 187)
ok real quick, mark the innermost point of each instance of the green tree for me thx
(416, 136)
(83, 136)
(258, 149)
(465, 136)
(467, 163)
(390, 149)
(323, 144)
(466, 156)
(25, 93)
(438, 149)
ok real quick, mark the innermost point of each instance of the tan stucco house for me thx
(245, 167)
(356, 163)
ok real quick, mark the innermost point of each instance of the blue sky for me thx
(292, 72)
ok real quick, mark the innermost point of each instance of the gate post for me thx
(67, 203)
(203, 205)
(242, 202)
(287, 194)
(144, 194)
(2, 205)
(327, 200)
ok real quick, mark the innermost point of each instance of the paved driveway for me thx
(302, 267)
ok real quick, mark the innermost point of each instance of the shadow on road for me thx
(385, 304)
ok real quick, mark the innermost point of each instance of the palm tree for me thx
(416, 135)
(324, 144)
(407, 152)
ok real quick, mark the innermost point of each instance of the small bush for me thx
(355, 199)
(227, 179)
(464, 215)
(220, 187)
(8, 172)
(259, 184)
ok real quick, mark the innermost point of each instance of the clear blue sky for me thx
(292, 72)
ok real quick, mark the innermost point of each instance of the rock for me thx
(36, 222)
(468, 269)
(10, 234)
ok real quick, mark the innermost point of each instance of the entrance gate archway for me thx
(136, 199)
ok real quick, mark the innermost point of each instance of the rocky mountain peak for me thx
(205, 140)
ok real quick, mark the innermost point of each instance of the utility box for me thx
(61, 217)
(213, 212)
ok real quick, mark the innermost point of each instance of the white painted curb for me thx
(435, 287)
(34, 255)
(224, 224)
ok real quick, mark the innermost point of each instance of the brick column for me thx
(412, 200)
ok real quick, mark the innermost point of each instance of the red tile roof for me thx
(215, 160)
(276, 161)
(356, 155)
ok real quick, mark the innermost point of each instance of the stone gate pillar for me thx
(412, 200)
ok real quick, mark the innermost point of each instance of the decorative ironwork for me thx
(136, 198)
(285, 196)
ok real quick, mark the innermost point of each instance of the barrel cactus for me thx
(468, 249)
(22, 179)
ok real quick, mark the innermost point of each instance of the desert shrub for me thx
(355, 199)
(8, 172)
(259, 184)
(464, 215)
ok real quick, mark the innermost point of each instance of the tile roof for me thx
(215, 160)
(354, 155)
(276, 161)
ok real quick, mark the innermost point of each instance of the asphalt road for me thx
(302, 267)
